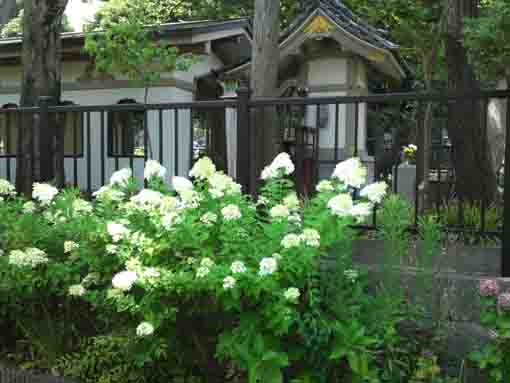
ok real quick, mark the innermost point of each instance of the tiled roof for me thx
(345, 18)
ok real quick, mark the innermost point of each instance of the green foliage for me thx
(394, 221)
(129, 48)
(494, 357)
(15, 26)
(487, 39)
(155, 12)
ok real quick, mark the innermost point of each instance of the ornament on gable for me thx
(376, 56)
(319, 25)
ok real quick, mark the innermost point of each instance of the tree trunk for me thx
(475, 176)
(264, 77)
(41, 77)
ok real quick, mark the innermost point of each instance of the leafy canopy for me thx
(487, 39)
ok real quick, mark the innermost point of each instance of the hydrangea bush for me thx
(200, 274)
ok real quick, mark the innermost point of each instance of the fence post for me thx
(505, 246)
(46, 139)
(244, 154)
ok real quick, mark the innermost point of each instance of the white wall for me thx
(112, 96)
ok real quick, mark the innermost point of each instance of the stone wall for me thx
(454, 298)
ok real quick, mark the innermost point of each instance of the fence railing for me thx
(82, 146)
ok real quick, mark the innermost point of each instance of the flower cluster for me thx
(29, 258)
(281, 165)
(124, 280)
(351, 173)
(268, 266)
(153, 169)
(44, 193)
(7, 189)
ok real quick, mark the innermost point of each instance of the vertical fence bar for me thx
(75, 148)
(191, 138)
(315, 177)
(145, 143)
(46, 139)
(176, 142)
(160, 121)
(244, 154)
(8, 145)
(356, 128)
(103, 175)
(20, 147)
(89, 156)
(483, 202)
(337, 112)
(505, 248)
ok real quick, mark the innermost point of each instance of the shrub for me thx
(199, 277)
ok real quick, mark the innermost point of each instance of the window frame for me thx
(111, 153)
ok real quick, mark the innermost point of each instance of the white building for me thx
(327, 50)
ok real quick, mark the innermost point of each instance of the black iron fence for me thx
(82, 146)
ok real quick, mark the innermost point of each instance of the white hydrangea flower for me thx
(325, 186)
(221, 184)
(154, 169)
(229, 282)
(148, 198)
(144, 329)
(362, 210)
(209, 218)
(351, 274)
(292, 294)
(169, 204)
(29, 207)
(292, 202)
(107, 193)
(375, 192)
(190, 199)
(203, 271)
(181, 184)
(291, 240)
(311, 237)
(277, 256)
(121, 177)
(282, 164)
(117, 231)
(82, 206)
(203, 169)
(207, 262)
(111, 249)
(7, 189)
(76, 290)
(69, 246)
(169, 220)
(150, 275)
(267, 266)
(30, 258)
(124, 280)
(238, 267)
(351, 172)
(44, 193)
(231, 212)
(279, 211)
(341, 205)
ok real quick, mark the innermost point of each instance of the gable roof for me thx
(332, 18)
(339, 13)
